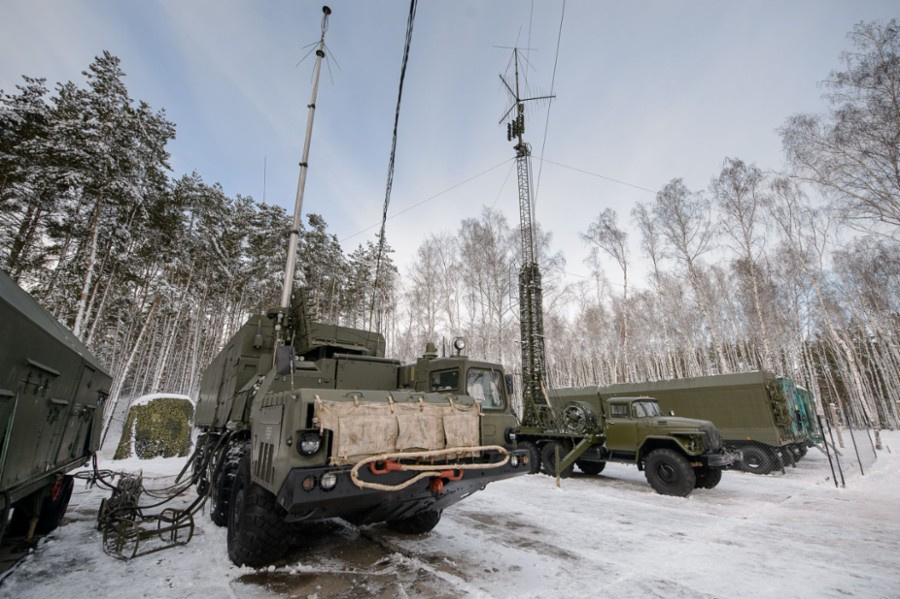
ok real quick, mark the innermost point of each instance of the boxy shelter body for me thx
(52, 395)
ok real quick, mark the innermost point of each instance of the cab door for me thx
(621, 430)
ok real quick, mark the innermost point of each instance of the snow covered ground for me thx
(785, 536)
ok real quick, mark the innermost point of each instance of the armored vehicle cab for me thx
(52, 394)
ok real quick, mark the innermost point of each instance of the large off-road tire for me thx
(223, 480)
(256, 528)
(707, 478)
(548, 459)
(757, 460)
(53, 508)
(415, 525)
(534, 456)
(590, 467)
(669, 473)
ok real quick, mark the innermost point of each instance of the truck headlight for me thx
(514, 461)
(310, 443)
(328, 481)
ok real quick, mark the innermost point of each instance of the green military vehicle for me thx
(52, 394)
(332, 428)
(303, 421)
(751, 410)
(585, 428)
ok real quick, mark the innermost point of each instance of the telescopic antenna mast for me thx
(294, 239)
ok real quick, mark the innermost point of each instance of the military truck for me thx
(676, 455)
(303, 421)
(751, 410)
(326, 426)
(52, 395)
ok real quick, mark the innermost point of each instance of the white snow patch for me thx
(145, 399)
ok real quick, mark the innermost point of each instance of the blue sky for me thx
(646, 91)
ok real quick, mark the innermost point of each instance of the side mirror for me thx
(284, 360)
(510, 388)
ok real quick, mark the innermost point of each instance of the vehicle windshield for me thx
(445, 380)
(646, 409)
(484, 386)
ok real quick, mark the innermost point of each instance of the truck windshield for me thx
(646, 409)
(484, 386)
(445, 380)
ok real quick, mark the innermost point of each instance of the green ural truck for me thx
(677, 455)
(754, 411)
(52, 394)
(326, 427)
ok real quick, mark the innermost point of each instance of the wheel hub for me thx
(666, 473)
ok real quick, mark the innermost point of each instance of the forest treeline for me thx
(797, 272)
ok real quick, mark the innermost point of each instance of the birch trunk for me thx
(123, 374)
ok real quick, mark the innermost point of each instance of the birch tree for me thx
(852, 152)
(738, 192)
(651, 244)
(684, 220)
(604, 235)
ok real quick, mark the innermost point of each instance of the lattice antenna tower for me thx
(515, 130)
(531, 302)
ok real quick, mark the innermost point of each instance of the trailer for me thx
(52, 395)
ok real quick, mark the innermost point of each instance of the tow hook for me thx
(385, 467)
(437, 484)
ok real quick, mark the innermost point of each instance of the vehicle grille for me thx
(712, 441)
(264, 468)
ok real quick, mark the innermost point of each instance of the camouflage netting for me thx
(159, 428)
(368, 429)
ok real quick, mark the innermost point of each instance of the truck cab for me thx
(635, 426)
(626, 423)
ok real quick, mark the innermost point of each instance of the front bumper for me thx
(362, 506)
(722, 459)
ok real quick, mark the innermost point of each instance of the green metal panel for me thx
(53, 394)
